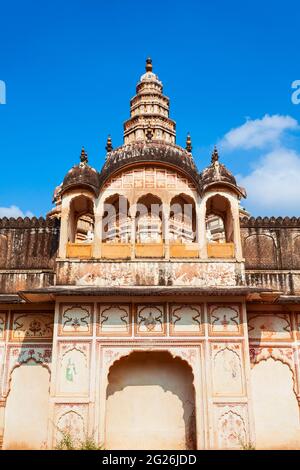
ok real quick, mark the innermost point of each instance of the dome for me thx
(149, 76)
(153, 151)
(217, 173)
(81, 175)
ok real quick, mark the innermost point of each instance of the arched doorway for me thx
(150, 403)
(26, 412)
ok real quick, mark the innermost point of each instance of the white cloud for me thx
(14, 211)
(273, 187)
(258, 133)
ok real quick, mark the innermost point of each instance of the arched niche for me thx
(81, 220)
(260, 251)
(275, 406)
(149, 219)
(182, 223)
(27, 403)
(116, 223)
(150, 403)
(219, 227)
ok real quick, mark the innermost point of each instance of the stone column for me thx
(64, 229)
(133, 235)
(201, 226)
(2, 416)
(166, 230)
(97, 242)
(237, 233)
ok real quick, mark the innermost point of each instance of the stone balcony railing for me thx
(114, 251)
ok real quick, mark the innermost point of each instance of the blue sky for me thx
(71, 67)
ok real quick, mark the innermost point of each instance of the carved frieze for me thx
(28, 326)
(231, 426)
(114, 320)
(186, 320)
(150, 320)
(21, 354)
(269, 327)
(73, 369)
(71, 419)
(224, 319)
(227, 369)
(76, 319)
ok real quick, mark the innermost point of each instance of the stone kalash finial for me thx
(215, 163)
(83, 157)
(108, 146)
(215, 155)
(148, 64)
(188, 143)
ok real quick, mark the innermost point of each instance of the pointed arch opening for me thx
(149, 227)
(27, 402)
(183, 227)
(219, 227)
(116, 228)
(150, 403)
(81, 225)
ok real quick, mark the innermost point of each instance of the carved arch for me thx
(277, 354)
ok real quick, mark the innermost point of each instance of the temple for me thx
(149, 310)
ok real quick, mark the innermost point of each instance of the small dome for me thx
(81, 175)
(217, 173)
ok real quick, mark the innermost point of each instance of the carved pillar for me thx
(237, 234)
(63, 237)
(133, 235)
(2, 420)
(97, 242)
(166, 229)
(201, 227)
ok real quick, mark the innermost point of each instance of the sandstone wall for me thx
(28, 250)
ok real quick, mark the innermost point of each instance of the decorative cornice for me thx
(29, 223)
(270, 222)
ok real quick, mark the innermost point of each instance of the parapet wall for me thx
(28, 243)
(271, 243)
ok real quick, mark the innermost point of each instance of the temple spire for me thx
(149, 108)
(188, 143)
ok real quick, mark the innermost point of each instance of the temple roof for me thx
(81, 175)
(217, 173)
(153, 151)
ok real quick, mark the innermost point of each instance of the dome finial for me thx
(215, 155)
(108, 146)
(83, 156)
(149, 64)
(149, 133)
(188, 143)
